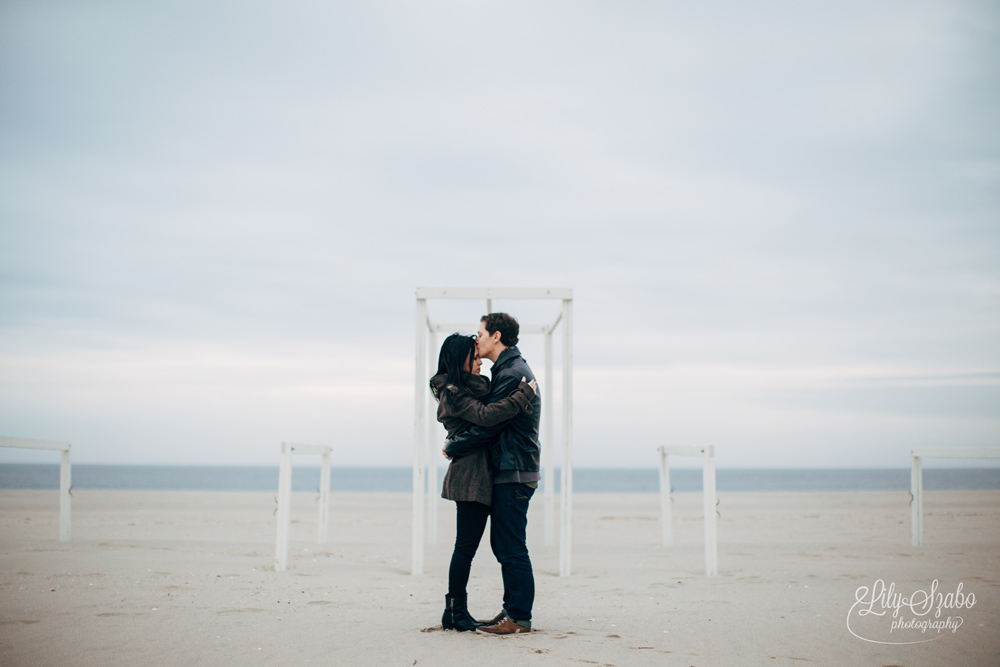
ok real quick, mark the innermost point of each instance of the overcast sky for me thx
(781, 221)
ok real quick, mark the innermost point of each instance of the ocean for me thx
(399, 479)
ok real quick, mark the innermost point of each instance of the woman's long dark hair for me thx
(455, 351)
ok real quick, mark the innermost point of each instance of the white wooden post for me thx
(917, 506)
(419, 445)
(566, 507)
(65, 484)
(711, 535)
(666, 516)
(324, 497)
(434, 445)
(548, 441)
(707, 455)
(65, 474)
(284, 507)
(917, 479)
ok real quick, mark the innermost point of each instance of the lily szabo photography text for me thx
(886, 614)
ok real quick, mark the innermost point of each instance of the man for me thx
(514, 458)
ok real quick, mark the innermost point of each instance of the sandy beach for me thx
(186, 578)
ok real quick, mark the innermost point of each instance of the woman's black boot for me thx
(456, 614)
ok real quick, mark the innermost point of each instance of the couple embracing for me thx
(493, 447)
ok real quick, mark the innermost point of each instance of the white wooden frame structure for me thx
(707, 455)
(285, 497)
(65, 475)
(425, 469)
(917, 480)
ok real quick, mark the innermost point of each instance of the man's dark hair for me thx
(505, 324)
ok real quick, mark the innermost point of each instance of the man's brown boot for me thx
(496, 619)
(504, 627)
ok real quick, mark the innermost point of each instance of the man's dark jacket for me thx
(514, 444)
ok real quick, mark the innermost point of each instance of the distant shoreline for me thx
(399, 479)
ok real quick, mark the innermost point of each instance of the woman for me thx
(461, 393)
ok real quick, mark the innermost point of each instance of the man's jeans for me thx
(507, 527)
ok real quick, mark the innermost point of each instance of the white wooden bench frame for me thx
(707, 455)
(285, 497)
(917, 479)
(65, 475)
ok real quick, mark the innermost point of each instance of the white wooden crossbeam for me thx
(452, 327)
(493, 293)
(33, 443)
(309, 450)
(968, 453)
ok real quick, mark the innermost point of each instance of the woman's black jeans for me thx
(470, 525)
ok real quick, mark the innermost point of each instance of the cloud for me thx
(188, 191)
